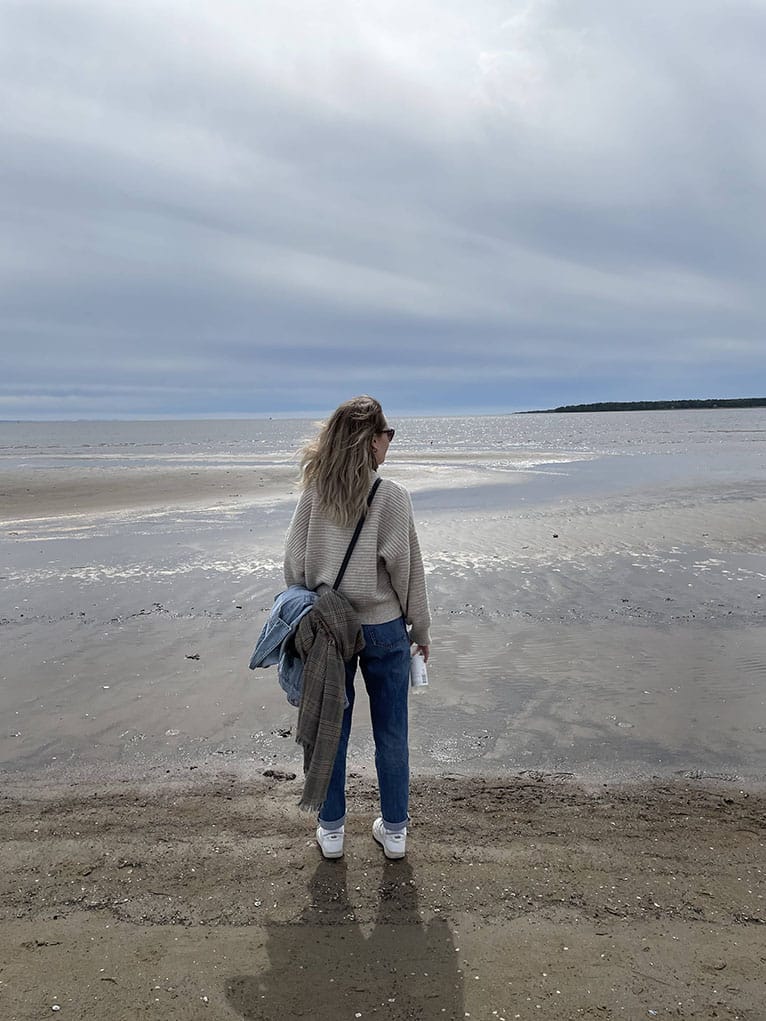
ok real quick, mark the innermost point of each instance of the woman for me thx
(384, 583)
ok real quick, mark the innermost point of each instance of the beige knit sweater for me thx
(384, 578)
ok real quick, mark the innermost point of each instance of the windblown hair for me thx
(338, 462)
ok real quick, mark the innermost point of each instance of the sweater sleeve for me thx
(404, 563)
(295, 545)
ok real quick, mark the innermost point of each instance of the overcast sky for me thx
(262, 206)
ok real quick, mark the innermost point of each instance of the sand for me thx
(523, 897)
(50, 492)
(589, 763)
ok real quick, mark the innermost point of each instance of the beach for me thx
(589, 760)
(523, 897)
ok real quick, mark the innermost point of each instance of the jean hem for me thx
(336, 825)
(395, 827)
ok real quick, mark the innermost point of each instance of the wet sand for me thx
(65, 492)
(615, 638)
(39, 492)
(589, 760)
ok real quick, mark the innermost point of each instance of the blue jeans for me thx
(385, 663)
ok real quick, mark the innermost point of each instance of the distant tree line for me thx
(739, 402)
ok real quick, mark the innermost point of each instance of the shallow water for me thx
(737, 437)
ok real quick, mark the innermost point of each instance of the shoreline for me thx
(161, 775)
(286, 777)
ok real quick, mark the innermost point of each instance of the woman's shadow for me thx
(322, 966)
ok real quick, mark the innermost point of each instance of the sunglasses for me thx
(389, 432)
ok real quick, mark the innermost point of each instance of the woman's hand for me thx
(423, 650)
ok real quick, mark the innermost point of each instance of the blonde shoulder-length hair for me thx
(337, 462)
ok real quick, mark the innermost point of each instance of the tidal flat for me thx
(589, 763)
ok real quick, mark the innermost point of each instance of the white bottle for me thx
(418, 672)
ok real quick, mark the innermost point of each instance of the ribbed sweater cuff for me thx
(418, 637)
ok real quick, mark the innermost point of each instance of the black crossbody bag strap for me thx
(355, 536)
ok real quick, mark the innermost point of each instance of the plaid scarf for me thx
(328, 635)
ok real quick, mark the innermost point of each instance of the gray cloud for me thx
(237, 207)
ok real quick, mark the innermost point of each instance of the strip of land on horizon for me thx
(682, 405)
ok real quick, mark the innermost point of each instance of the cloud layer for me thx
(237, 207)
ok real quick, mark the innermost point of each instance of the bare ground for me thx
(524, 897)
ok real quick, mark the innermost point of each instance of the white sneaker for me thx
(394, 844)
(330, 842)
